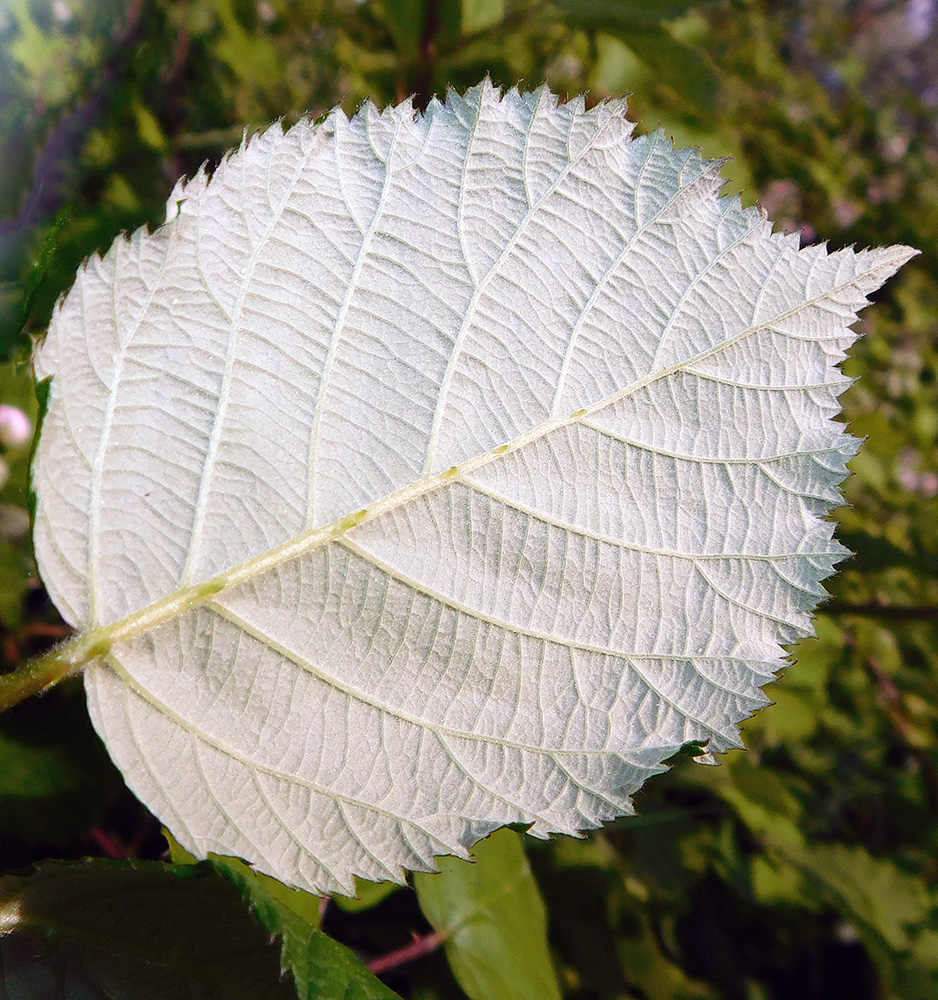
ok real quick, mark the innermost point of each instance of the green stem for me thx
(45, 672)
(64, 661)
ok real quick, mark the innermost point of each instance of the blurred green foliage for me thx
(805, 867)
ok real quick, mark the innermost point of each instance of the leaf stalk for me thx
(37, 676)
(420, 946)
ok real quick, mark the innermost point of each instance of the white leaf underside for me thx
(474, 462)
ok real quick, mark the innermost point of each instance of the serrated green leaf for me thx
(322, 969)
(493, 922)
(292, 915)
(336, 973)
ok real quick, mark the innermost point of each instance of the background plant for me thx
(804, 865)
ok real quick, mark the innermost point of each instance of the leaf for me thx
(426, 474)
(131, 930)
(337, 974)
(674, 64)
(886, 906)
(283, 910)
(405, 21)
(293, 916)
(493, 922)
(623, 15)
(477, 15)
(321, 967)
(367, 896)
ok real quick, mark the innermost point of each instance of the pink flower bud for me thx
(15, 426)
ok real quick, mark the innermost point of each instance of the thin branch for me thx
(432, 25)
(894, 705)
(920, 612)
(59, 153)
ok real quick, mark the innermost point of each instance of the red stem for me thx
(417, 948)
(109, 844)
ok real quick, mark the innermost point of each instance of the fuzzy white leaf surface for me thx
(428, 473)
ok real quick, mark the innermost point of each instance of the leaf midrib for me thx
(94, 643)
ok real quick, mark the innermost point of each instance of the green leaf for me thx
(405, 21)
(367, 896)
(885, 905)
(493, 921)
(322, 968)
(133, 931)
(477, 15)
(280, 907)
(336, 973)
(674, 64)
(291, 914)
(622, 15)
(875, 553)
